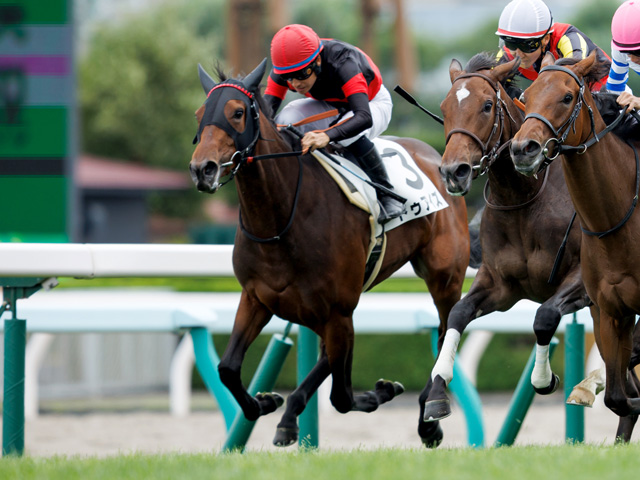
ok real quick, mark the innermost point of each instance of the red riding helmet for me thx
(294, 47)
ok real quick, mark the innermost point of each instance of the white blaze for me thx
(462, 92)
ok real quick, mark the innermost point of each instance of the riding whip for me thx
(404, 94)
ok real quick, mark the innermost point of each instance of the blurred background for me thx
(98, 98)
(97, 102)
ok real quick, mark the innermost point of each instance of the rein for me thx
(277, 237)
(488, 157)
(514, 207)
(582, 148)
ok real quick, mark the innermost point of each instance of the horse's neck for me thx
(601, 182)
(267, 188)
(508, 187)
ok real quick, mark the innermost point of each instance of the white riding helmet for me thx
(525, 19)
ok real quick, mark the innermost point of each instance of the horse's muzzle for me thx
(205, 176)
(527, 156)
(457, 178)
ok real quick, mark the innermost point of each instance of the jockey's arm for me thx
(360, 121)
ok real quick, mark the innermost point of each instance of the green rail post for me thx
(574, 373)
(207, 361)
(15, 344)
(263, 381)
(15, 339)
(521, 400)
(467, 397)
(308, 352)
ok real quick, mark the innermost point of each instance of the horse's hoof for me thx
(582, 397)
(285, 436)
(436, 410)
(269, 402)
(433, 439)
(552, 387)
(393, 388)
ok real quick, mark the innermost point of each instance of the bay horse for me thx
(523, 223)
(301, 248)
(603, 176)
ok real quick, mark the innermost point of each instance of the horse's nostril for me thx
(462, 171)
(209, 168)
(531, 147)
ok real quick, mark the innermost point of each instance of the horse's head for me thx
(474, 113)
(554, 115)
(228, 127)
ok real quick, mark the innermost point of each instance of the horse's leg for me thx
(339, 339)
(584, 394)
(616, 339)
(626, 424)
(249, 322)
(434, 403)
(287, 431)
(569, 297)
(479, 301)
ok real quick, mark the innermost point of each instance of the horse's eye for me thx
(487, 106)
(568, 98)
(237, 115)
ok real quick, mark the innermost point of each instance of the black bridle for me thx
(563, 131)
(244, 156)
(489, 156)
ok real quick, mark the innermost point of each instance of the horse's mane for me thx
(609, 109)
(599, 69)
(487, 61)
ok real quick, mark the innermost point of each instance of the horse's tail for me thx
(474, 235)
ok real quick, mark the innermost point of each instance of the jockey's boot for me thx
(371, 163)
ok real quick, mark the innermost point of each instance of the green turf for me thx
(522, 463)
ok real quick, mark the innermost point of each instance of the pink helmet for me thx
(625, 26)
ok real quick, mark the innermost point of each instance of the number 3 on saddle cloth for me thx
(408, 181)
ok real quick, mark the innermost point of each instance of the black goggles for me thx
(525, 45)
(298, 74)
(635, 53)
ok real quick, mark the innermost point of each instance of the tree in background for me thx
(138, 84)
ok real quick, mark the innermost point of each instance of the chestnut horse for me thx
(603, 176)
(522, 227)
(301, 248)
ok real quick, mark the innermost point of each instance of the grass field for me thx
(521, 463)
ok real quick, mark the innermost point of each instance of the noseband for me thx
(488, 157)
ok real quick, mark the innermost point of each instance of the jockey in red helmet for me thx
(526, 29)
(625, 52)
(333, 74)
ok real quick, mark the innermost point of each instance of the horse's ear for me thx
(252, 80)
(207, 82)
(583, 67)
(506, 70)
(548, 59)
(455, 69)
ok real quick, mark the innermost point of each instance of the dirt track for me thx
(393, 425)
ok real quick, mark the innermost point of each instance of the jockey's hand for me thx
(630, 101)
(313, 140)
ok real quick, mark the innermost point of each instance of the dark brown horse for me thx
(301, 250)
(602, 175)
(522, 227)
